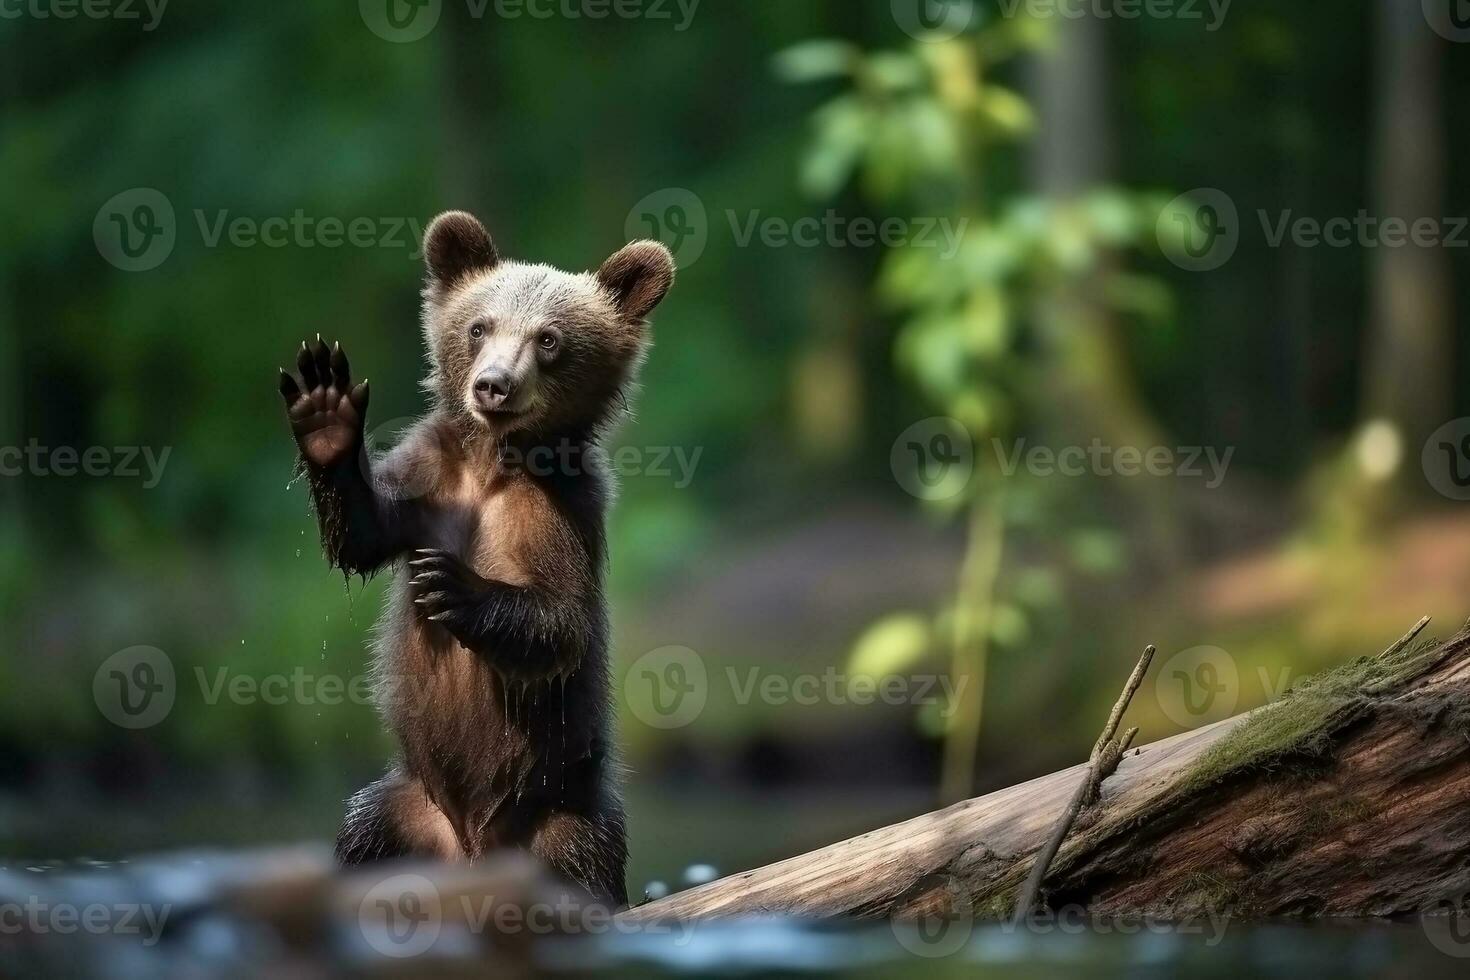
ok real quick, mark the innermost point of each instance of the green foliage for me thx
(918, 132)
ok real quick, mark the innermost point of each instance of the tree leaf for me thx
(891, 646)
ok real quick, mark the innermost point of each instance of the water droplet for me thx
(699, 874)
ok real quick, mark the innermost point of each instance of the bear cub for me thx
(491, 658)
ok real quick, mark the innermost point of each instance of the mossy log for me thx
(1348, 797)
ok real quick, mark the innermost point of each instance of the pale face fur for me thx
(557, 339)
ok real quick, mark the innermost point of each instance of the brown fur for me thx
(492, 656)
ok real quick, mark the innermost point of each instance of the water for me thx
(291, 911)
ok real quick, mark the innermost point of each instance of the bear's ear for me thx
(638, 277)
(456, 245)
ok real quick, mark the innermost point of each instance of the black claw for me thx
(323, 362)
(341, 370)
(359, 397)
(290, 390)
(306, 364)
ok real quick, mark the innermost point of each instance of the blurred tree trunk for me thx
(1409, 352)
(12, 498)
(1095, 395)
(466, 87)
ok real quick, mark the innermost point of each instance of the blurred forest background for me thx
(1076, 306)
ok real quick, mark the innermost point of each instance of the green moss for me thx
(1300, 726)
(1206, 891)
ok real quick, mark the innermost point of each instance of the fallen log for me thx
(1350, 796)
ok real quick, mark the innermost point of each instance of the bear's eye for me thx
(477, 330)
(548, 341)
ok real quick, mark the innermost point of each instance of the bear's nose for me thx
(492, 388)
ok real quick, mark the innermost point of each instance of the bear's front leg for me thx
(526, 632)
(361, 528)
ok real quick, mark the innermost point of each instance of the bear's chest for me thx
(486, 525)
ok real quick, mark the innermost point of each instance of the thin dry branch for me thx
(1405, 640)
(1103, 762)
